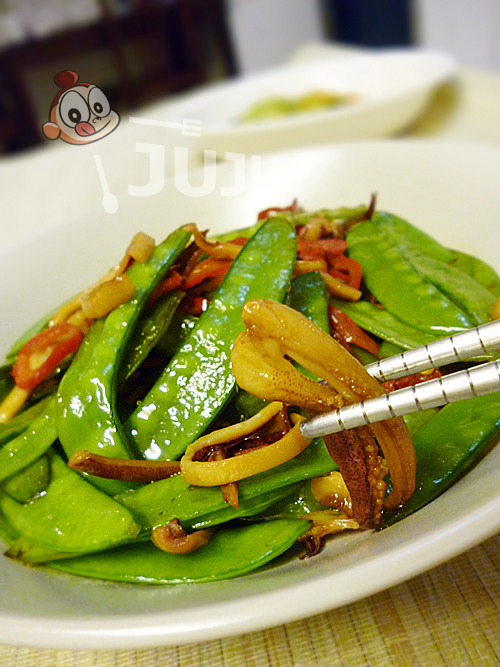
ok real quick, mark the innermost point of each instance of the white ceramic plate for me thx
(448, 190)
(391, 88)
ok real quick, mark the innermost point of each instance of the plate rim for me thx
(447, 68)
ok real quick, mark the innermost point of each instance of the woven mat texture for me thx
(447, 616)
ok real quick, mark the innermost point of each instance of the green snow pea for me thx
(447, 445)
(466, 293)
(433, 261)
(415, 420)
(408, 237)
(231, 552)
(22, 548)
(157, 503)
(247, 509)
(247, 405)
(197, 383)
(295, 506)
(86, 400)
(399, 287)
(71, 516)
(482, 272)
(21, 421)
(6, 380)
(308, 295)
(179, 329)
(150, 329)
(30, 444)
(385, 325)
(7, 533)
(31, 481)
(26, 550)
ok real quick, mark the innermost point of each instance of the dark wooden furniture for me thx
(148, 52)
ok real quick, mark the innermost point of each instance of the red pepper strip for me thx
(350, 268)
(327, 249)
(194, 305)
(172, 282)
(349, 330)
(239, 240)
(208, 268)
(410, 380)
(266, 213)
(53, 345)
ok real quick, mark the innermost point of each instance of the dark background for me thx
(139, 51)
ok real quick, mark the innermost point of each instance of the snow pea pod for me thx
(29, 445)
(482, 272)
(231, 552)
(86, 412)
(447, 445)
(72, 515)
(301, 503)
(399, 287)
(408, 237)
(465, 292)
(26, 550)
(308, 295)
(157, 503)
(6, 380)
(179, 329)
(383, 324)
(247, 509)
(7, 533)
(198, 382)
(405, 235)
(21, 421)
(149, 331)
(31, 481)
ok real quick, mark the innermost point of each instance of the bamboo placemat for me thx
(447, 616)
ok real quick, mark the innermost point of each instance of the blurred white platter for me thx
(448, 190)
(390, 89)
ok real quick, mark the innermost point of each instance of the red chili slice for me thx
(350, 268)
(327, 249)
(208, 268)
(411, 380)
(349, 330)
(57, 342)
(173, 281)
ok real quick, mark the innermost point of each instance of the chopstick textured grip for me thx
(459, 347)
(483, 379)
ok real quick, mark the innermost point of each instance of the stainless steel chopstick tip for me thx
(482, 379)
(458, 347)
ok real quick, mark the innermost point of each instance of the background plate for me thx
(390, 88)
(448, 190)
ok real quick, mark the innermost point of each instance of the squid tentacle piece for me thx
(262, 356)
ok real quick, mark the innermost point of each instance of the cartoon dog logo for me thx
(80, 112)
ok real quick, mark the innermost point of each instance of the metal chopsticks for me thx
(475, 381)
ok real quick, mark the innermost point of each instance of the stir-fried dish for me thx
(150, 427)
(275, 107)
